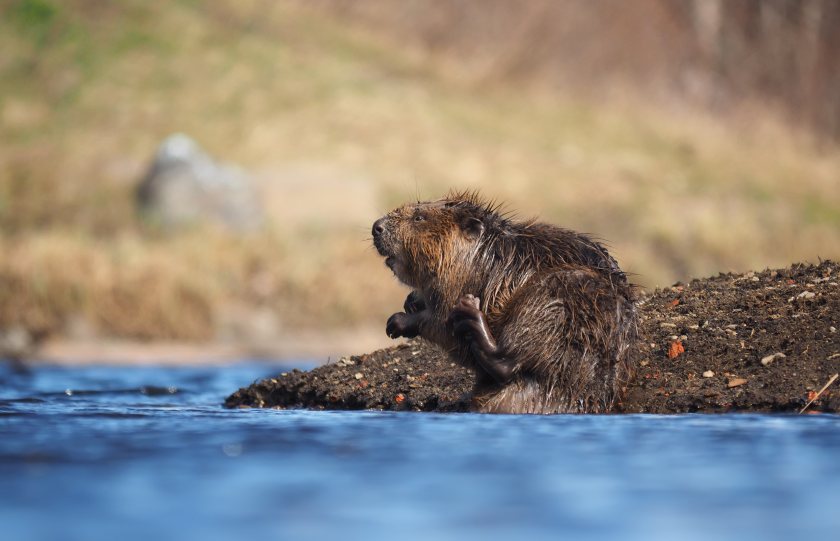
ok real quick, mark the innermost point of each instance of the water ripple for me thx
(119, 456)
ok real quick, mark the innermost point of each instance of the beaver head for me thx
(419, 240)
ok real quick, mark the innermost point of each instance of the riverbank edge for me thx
(763, 341)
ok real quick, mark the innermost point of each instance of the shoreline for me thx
(312, 345)
(766, 341)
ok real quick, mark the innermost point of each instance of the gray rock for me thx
(185, 186)
(16, 343)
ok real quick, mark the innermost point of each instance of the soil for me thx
(760, 341)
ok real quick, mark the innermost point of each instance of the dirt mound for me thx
(753, 342)
(411, 376)
(761, 341)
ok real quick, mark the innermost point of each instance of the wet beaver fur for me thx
(543, 315)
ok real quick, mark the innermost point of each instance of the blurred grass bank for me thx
(340, 111)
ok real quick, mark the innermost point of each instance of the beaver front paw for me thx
(467, 322)
(414, 303)
(402, 324)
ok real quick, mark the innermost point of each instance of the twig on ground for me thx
(821, 391)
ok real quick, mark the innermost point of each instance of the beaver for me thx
(543, 315)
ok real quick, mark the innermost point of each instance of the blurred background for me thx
(206, 173)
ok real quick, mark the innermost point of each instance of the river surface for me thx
(89, 453)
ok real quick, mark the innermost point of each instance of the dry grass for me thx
(87, 91)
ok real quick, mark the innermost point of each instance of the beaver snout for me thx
(380, 236)
(378, 227)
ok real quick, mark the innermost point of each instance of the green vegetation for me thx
(88, 89)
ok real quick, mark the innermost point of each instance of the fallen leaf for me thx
(675, 302)
(399, 398)
(812, 395)
(675, 349)
(736, 382)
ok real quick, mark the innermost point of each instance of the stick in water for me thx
(816, 396)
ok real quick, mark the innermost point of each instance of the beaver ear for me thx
(472, 227)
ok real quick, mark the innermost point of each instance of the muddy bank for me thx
(761, 341)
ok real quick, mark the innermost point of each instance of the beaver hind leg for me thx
(469, 325)
(522, 395)
(570, 331)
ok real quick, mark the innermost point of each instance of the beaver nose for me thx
(378, 227)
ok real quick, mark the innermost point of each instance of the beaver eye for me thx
(419, 218)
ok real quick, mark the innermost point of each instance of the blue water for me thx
(95, 453)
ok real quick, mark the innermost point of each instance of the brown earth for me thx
(761, 341)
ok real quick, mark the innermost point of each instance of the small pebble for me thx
(807, 295)
(667, 325)
(832, 329)
(766, 361)
(644, 362)
(736, 382)
(358, 375)
(708, 374)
